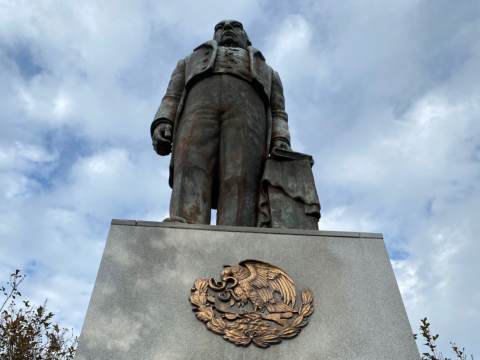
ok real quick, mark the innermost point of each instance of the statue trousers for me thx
(219, 152)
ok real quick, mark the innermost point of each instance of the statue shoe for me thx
(176, 219)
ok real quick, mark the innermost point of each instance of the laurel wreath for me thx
(250, 327)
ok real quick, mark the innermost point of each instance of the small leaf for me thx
(231, 316)
(307, 296)
(298, 320)
(204, 316)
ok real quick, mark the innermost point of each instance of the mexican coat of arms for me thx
(266, 290)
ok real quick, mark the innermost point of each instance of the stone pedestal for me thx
(140, 308)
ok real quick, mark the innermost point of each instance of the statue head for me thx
(231, 33)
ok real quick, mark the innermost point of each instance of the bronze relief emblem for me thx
(245, 305)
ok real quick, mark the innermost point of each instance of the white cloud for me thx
(291, 51)
(19, 154)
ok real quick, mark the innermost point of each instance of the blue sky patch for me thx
(23, 56)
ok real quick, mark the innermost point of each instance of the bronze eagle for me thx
(257, 281)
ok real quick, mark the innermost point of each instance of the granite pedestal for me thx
(140, 308)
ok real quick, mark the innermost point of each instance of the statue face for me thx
(230, 33)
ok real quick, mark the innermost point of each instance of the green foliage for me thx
(433, 353)
(28, 332)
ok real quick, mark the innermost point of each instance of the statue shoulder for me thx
(206, 49)
(255, 52)
(207, 44)
(257, 56)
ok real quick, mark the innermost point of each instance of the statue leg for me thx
(195, 153)
(242, 152)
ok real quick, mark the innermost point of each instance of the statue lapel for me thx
(261, 73)
(200, 62)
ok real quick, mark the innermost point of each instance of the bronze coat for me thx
(199, 65)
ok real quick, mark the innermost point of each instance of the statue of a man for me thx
(222, 114)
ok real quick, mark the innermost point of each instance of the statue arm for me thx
(162, 126)
(280, 133)
(168, 107)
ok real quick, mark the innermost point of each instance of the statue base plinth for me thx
(140, 305)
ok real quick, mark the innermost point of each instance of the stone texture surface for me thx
(140, 308)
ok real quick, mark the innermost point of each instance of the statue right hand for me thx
(162, 139)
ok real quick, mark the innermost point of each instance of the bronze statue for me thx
(222, 115)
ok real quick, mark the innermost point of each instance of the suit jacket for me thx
(199, 65)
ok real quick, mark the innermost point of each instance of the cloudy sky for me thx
(384, 94)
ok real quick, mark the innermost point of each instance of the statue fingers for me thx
(168, 133)
(162, 146)
(162, 151)
(284, 145)
(281, 144)
(163, 131)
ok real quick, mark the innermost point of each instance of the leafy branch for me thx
(433, 353)
(28, 332)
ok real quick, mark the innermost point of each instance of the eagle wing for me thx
(266, 279)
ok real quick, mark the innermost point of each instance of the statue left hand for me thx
(282, 144)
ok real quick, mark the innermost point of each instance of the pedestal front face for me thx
(140, 305)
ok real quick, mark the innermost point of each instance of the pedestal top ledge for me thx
(340, 234)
